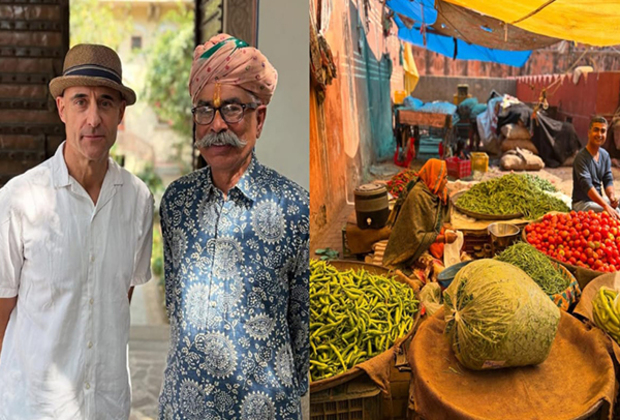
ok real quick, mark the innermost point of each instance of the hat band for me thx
(93, 71)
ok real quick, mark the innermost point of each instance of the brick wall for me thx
(34, 39)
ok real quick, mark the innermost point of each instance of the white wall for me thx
(283, 38)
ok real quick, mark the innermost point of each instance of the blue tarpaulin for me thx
(424, 14)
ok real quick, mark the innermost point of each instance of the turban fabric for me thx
(230, 61)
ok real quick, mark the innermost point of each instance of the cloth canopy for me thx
(593, 22)
(472, 27)
(460, 33)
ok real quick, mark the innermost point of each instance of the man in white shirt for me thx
(75, 237)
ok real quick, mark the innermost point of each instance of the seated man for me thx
(591, 169)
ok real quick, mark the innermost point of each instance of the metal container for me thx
(371, 206)
(503, 235)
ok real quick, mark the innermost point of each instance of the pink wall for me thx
(340, 131)
(596, 93)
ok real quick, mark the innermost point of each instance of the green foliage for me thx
(327, 254)
(152, 180)
(157, 257)
(94, 22)
(168, 68)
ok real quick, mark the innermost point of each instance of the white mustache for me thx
(224, 138)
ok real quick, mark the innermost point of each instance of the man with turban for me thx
(236, 255)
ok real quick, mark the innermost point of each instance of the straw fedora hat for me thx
(92, 65)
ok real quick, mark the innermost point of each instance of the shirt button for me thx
(213, 304)
(87, 385)
(90, 344)
(92, 258)
(91, 301)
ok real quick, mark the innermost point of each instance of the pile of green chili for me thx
(543, 184)
(354, 316)
(536, 265)
(512, 194)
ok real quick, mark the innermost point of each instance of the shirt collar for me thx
(249, 178)
(61, 172)
(244, 185)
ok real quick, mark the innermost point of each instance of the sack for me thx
(521, 160)
(497, 316)
(515, 132)
(512, 144)
(492, 147)
(511, 162)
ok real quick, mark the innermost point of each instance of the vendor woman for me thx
(419, 216)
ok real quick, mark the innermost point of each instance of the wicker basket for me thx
(352, 394)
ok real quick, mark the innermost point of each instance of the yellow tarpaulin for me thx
(593, 22)
(411, 71)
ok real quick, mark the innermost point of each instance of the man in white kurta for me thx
(75, 236)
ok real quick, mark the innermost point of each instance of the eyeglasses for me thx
(231, 113)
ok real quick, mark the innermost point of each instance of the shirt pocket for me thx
(117, 249)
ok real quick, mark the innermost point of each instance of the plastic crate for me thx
(359, 399)
(458, 168)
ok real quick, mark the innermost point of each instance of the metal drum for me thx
(371, 206)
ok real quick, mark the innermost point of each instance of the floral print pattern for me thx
(237, 296)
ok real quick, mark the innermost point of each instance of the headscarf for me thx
(230, 61)
(434, 173)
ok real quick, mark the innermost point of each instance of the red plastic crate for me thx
(458, 168)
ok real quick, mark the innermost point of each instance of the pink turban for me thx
(230, 61)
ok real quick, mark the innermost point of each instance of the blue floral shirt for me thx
(237, 278)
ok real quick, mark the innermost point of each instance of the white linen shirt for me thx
(71, 264)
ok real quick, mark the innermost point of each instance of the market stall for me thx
(514, 300)
(439, 375)
(431, 127)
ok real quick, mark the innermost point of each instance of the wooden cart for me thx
(416, 124)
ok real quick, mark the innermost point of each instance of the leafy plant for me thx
(157, 257)
(94, 22)
(151, 179)
(327, 254)
(168, 68)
